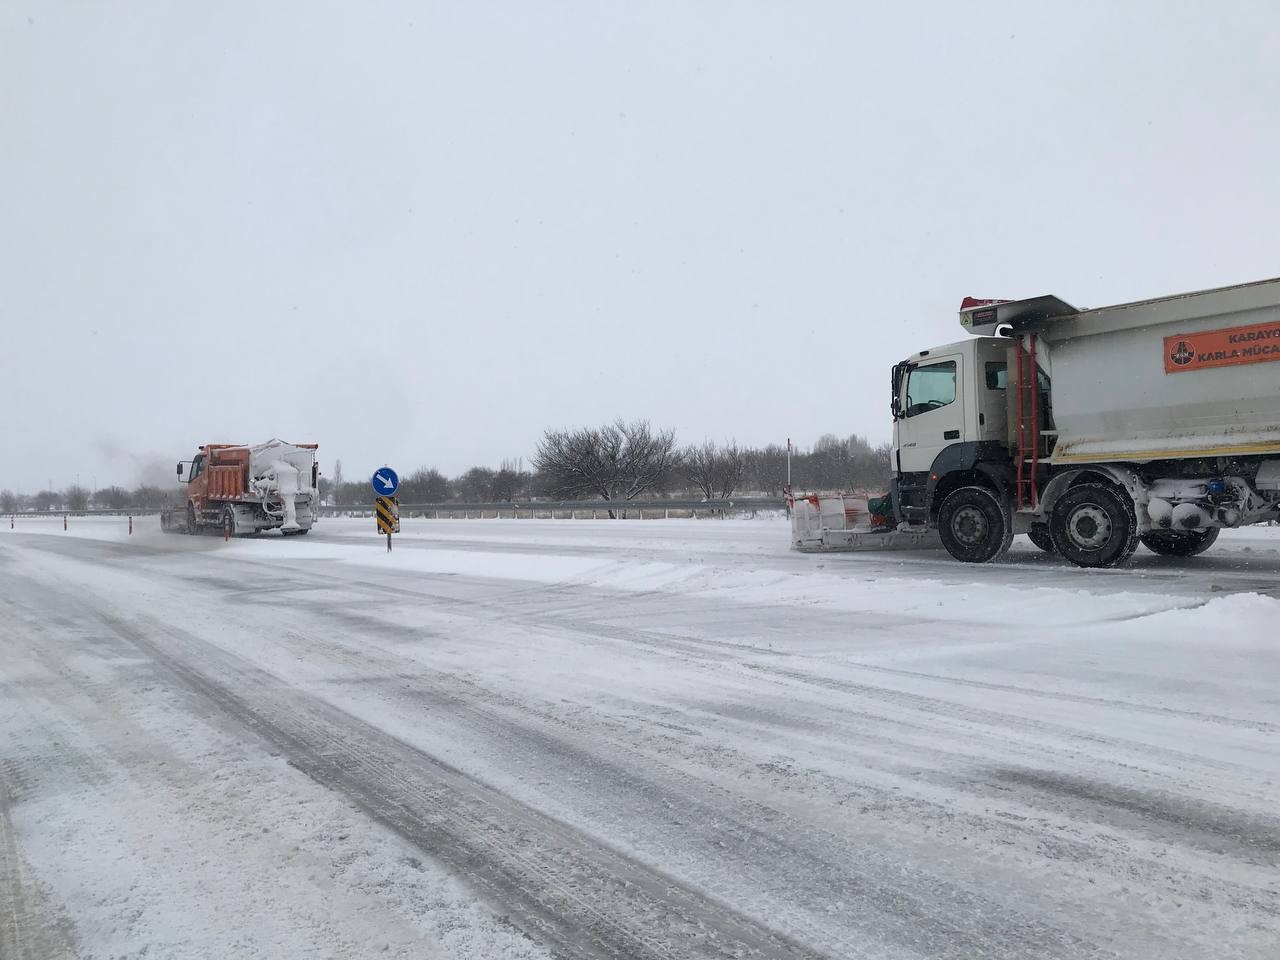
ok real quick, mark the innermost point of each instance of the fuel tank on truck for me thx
(1193, 375)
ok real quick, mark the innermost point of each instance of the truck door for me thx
(198, 482)
(932, 412)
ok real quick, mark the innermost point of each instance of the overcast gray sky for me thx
(420, 233)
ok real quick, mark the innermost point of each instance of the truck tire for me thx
(1180, 543)
(1094, 525)
(975, 525)
(229, 520)
(1040, 535)
(192, 527)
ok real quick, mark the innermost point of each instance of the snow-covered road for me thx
(634, 739)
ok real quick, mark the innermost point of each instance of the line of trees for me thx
(617, 461)
(75, 498)
(623, 461)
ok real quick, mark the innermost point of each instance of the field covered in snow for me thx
(630, 739)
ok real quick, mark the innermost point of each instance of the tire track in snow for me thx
(788, 861)
(997, 724)
(890, 886)
(578, 895)
(17, 927)
(26, 933)
(1261, 726)
(986, 786)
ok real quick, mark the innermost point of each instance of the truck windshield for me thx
(930, 387)
(196, 466)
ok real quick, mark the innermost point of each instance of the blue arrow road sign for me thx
(385, 482)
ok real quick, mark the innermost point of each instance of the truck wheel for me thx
(1094, 525)
(1039, 535)
(1180, 543)
(229, 520)
(191, 520)
(974, 525)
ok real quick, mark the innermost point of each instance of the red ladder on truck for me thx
(1027, 393)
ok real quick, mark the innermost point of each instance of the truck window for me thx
(930, 387)
(196, 466)
(998, 377)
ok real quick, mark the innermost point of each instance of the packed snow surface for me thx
(630, 739)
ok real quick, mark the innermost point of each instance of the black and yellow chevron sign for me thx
(388, 513)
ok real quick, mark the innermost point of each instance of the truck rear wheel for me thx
(1094, 525)
(192, 527)
(1038, 533)
(1180, 543)
(974, 525)
(229, 521)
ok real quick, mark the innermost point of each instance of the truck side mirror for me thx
(895, 396)
(179, 469)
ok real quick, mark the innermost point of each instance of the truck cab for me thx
(951, 422)
(196, 477)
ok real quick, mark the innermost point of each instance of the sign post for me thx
(386, 507)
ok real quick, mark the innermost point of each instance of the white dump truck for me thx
(1089, 430)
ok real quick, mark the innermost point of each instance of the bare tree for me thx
(337, 473)
(730, 470)
(509, 483)
(766, 469)
(848, 464)
(475, 485)
(148, 495)
(424, 485)
(113, 498)
(345, 494)
(698, 464)
(868, 467)
(8, 501)
(618, 461)
(76, 497)
(47, 500)
(715, 471)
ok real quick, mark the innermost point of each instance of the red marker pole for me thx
(131, 525)
(64, 521)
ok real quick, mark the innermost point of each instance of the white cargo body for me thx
(281, 474)
(1113, 400)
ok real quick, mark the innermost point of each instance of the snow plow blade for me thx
(850, 541)
(173, 520)
(833, 523)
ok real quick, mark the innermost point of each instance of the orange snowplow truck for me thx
(241, 489)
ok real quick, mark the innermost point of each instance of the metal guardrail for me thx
(529, 507)
(735, 504)
(88, 512)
